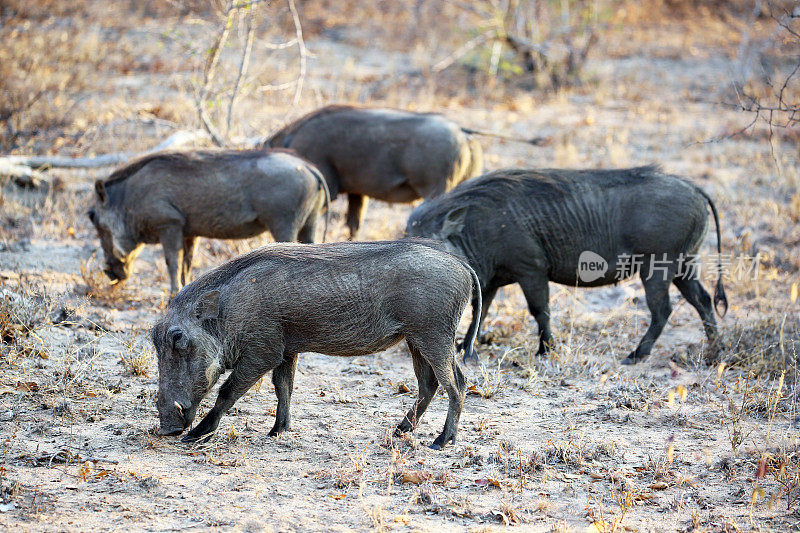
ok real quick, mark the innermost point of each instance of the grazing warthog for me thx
(256, 313)
(581, 228)
(174, 197)
(389, 155)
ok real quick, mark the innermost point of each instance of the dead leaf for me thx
(402, 388)
(415, 477)
(596, 475)
(338, 496)
(27, 386)
(761, 469)
(659, 485)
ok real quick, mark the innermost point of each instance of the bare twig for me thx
(463, 50)
(280, 46)
(301, 46)
(209, 72)
(279, 87)
(774, 107)
(243, 64)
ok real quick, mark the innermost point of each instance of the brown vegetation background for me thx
(569, 442)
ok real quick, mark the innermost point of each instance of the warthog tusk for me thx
(179, 407)
(114, 282)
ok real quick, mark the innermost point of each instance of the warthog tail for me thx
(477, 304)
(324, 185)
(535, 141)
(720, 300)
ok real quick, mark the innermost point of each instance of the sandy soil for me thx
(571, 442)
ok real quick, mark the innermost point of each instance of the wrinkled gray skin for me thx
(530, 227)
(174, 197)
(389, 155)
(256, 313)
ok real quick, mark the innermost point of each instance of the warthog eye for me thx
(91, 214)
(179, 341)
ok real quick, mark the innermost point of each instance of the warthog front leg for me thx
(283, 379)
(487, 297)
(248, 370)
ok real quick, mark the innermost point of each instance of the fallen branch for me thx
(13, 165)
(21, 175)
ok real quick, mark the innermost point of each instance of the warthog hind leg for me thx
(283, 379)
(428, 384)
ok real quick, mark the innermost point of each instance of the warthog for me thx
(534, 226)
(174, 197)
(256, 313)
(389, 155)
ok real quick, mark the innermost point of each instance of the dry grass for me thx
(562, 442)
(766, 347)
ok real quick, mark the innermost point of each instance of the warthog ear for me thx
(207, 305)
(100, 189)
(454, 222)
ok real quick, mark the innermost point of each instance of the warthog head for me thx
(425, 224)
(189, 361)
(119, 248)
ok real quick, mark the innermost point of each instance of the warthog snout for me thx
(116, 271)
(180, 417)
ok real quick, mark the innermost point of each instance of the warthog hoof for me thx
(404, 427)
(632, 359)
(192, 437)
(442, 441)
(473, 359)
(277, 430)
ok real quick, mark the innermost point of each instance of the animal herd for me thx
(469, 237)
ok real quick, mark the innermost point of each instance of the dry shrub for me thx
(23, 311)
(137, 361)
(574, 453)
(97, 285)
(766, 346)
(782, 466)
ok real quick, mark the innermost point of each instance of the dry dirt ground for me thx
(569, 442)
